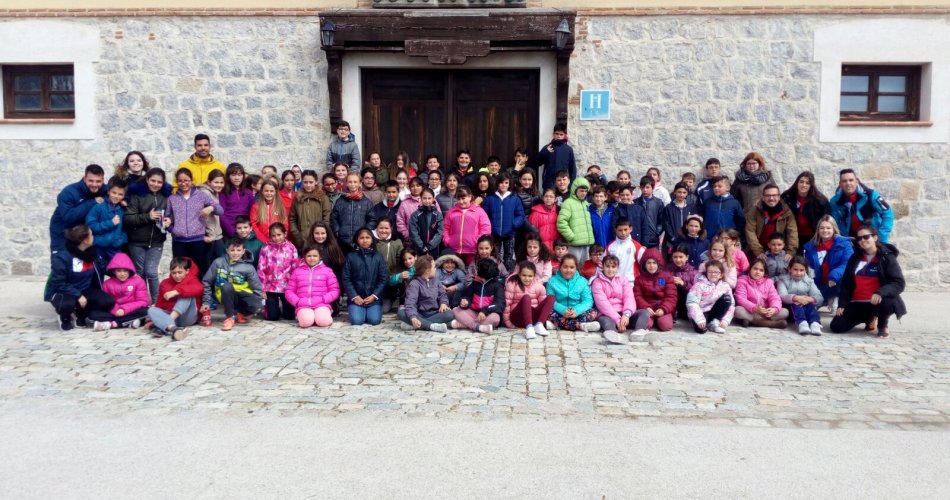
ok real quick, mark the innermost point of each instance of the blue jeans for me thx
(371, 314)
(162, 319)
(146, 265)
(807, 313)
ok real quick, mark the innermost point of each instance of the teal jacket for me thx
(573, 293)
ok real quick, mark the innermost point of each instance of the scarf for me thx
(822, 249)
(755, 178)
(354, 195)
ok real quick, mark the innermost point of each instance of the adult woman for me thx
(750, 179)
(446, 197)
(187, 210)
(133, 167)
(236, 199)
(145, 224)
(871, 286)
(767, 216)
(807, 203)
(828, 254)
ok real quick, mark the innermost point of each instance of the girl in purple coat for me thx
(236, 199)
(311, 289)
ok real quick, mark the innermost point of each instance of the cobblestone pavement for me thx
(751, 377)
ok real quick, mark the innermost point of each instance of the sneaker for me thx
(82, 322)
(541, 330)
(205, 319)
(179, 333)
(803, 328)
(228, 324)
(718, 328)
(442, 328)
(137, 323)
(639, 335)
(549, 325)
(66, 323)
(241, 319)
(486, 329)
(590, 326)
(712, 325)
(816, 328)
(102, 326)
(455, 325)
(406, 326)
(613, 337)
(834, 305)
(529, 332)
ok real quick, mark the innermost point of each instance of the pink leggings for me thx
(469, 318)
(319, 316)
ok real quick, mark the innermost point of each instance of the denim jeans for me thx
(371, 314)
(188, 315)
(146, 265)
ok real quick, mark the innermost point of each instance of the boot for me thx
(768, 323)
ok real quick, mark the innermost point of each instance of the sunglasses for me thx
(864, 237)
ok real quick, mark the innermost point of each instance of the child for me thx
(655, 292)
(236, 199)
(675, 214)
(492, 167)
(330, 188)
(534, 251)
(593, 265)
(268, 211)
(693, 236)
(343, 148)
(364, 277)
(689, 179)
(601, 217)
(556, 156)
(506, 215)
(704, 190)
(598, 173)
(560, 250)
(527, 304)
(573, 303)
(615, 303)
(757, 301)
(613, 193)
(340, 171)
(179, 298)
(277, 261)
(425, 225)
(310, 206)
(653, 209)
(482, 188)
(544, 218)
(562, 187)
(351, 212)
(130, 293)
(390, 248)
(776, 261)
(623, 177)
(75, 279)
(287, 190)
(311, 289)
(658, 190)
(684, 275)
(330, 252)
(105, 220)
(388, 208)
(409, 206)
(720, 210)
(397, 281)
(709, 303)
(233, 281)
(144, 222)
(254, 182)
(427, 305)
(482, 302)
(730, 237)
(484, 250)
(719, 252)
(627, 250)
(449, 272)
(464, 224)
(633, 213)
(801, 294)
(253, 246)
(573, 220)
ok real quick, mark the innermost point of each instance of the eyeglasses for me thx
(864, 237)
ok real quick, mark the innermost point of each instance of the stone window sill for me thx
(37, 121)
(883, 124)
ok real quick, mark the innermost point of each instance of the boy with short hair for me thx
(573, 220)
(675, 214)
(720, 210)
(653, 209)
(601, 217)
(243, 230)
(105, 221)
(690, 179)
(387, 208)
(557, 155)
(627, 250)
(776, 262)
(704, 188)
(343, 149)
(492, 167)
(630, 211)
(562, 186)
(560, 250)
(613, 193)
(234, 282)
(594, 264)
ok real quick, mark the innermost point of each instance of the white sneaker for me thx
(816, 328)
(486, 329)
(550, 326)
(639, 335)
(529, 332)
(834, 305)
(613, 337)
(541, 330)
(442, 328)
(102, 326)
(590, 326)
(803, 328)
(712, 325)
(406, 326)
(718, 328)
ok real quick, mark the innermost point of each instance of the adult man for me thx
(73, 204)
(767, 216)
(704, 188)
(343, 149)
(201, 163)
(854, 204)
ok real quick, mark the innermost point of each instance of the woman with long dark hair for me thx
(807, 203)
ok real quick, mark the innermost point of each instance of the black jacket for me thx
(364, 273)
(142, 230)
(814, 210)
(486, 296)
(892, 278)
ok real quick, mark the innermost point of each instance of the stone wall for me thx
(684, 88)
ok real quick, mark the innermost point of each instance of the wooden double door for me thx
(488, 112)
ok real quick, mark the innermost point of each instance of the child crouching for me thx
(179, 298)
(311, 289)
(233, 281)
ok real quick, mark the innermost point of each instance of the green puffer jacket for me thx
(573, 219)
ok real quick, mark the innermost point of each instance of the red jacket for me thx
(262, 228)
(545, 220)
(189, 288)
(654, 291)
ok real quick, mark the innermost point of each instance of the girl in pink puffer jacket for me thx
(757, 300)
(709, 303)
(130, 293)
(311, 289)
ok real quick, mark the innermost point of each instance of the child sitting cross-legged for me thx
(427, 305)
(655, 291)
(757, 300)
(613, 297)
(527, 304)
(482, 302)
(179, 298)
(573, 303)
(449, 272)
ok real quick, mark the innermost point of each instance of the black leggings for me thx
(276, 307)
(856, 313)
(96, 300)
(718, 310)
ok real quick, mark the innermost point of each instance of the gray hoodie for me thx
(344, 151)
(424, 296)
(789, 287)
(241, 274)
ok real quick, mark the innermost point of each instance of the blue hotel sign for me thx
(595, 104)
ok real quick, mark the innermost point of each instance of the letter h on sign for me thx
(595, 104)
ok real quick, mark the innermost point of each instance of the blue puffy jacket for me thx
(107, 234)
(72, 206)
(65, 279)
(506, 214)
(870, 207)
(837, 257)
(723, 212)
(602, 225)
(364, 273)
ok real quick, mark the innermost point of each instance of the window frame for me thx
(46, 71)
(874, 73)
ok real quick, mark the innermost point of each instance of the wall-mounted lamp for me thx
(561, 34)
(327, 33)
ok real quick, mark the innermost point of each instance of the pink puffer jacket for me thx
(312, 287)
(130, 294)
(514, 293)
(463, 228)
(751, 293)
(612, 296)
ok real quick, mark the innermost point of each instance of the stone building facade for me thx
(684, 88)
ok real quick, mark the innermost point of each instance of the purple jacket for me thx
(424, 296)
(233, 205)
(187, 223)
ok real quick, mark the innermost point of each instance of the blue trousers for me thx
(807, 313)
(371, 314)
